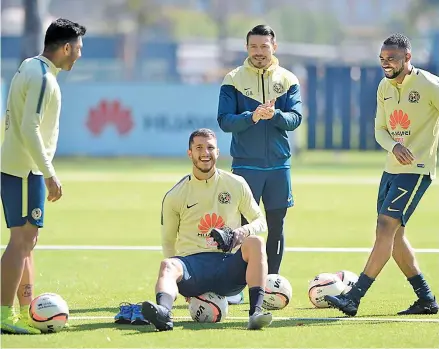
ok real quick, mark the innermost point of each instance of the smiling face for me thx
(203, 152)
(260, 50)
(394, 61)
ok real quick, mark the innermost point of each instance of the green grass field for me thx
(117, 202)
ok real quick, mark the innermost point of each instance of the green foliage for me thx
(238, 25)
(305, 26)
(186, 23)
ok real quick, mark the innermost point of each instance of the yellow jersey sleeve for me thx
(382, 134)
(170, 221)
(38, 94)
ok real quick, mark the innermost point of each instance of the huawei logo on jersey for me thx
(398, 117)
(210, 221)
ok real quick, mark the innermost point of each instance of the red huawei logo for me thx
(401, 118)
(210, 221)
(109, 112)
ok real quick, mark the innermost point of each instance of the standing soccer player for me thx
(406, 125)
(259, 103)
(32, 121)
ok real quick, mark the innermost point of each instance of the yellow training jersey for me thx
(408, 113)
(193, 207)
(32, 119)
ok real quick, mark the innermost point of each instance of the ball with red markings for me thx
(208, 307)
(278, 292)
(348, 278)
(324, 284)
(48, 312)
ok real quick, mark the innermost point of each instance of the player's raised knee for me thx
(171, 266)
(255, 241)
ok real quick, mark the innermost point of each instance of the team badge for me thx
(36, 213)
(224, 197)
(414, 97)
(278, 88)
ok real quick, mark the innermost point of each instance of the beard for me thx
(259, 64)
(395, 74)
(199, 165)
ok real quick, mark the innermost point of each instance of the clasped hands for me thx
(264, 111)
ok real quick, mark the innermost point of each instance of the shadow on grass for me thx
(95, 310)
(232, 325)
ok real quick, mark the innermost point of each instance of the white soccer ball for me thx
(208, 307)
(325, 284)
(278, 292)
(348, 278)
(48, 312)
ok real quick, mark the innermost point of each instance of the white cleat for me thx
(259, 320)
(236, 299)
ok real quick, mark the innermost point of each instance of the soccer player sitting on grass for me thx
(200, 215)
(406, 125)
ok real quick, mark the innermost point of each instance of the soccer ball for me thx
(322, 285)
(278, 292)
(208, 307)
(48, 312)
(348, 278)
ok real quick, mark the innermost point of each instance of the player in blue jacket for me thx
(259, 103)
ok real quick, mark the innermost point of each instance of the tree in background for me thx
(32, 43)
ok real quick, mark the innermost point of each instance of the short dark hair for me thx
(62, 31)
(263, 30)
(399, 40)
(201, 132)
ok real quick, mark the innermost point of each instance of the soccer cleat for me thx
(343, 303)
(125, 314)
(236, 299)
(158, 315)
(137, 317)
(421, 306)
(13, 326)
(259, 320)
(223, 237)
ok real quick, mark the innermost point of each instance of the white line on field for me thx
(91, 176)
(278, 318)
(159, 248)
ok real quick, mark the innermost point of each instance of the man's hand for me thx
(403, 154)
(54, 188)
(268, 110)
(264, 111)
(239, 234)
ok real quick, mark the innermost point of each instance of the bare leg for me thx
(254, 253)
(13, 261)
(383, 247)
(404, 255)
(170, 273)
(26, 286)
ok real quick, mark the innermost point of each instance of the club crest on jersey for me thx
(278, 88)
(36, 213)
(224, 197)
(414, 97)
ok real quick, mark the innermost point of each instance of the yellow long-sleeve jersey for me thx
(408, 113)
(193, 207)
(32, 119)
